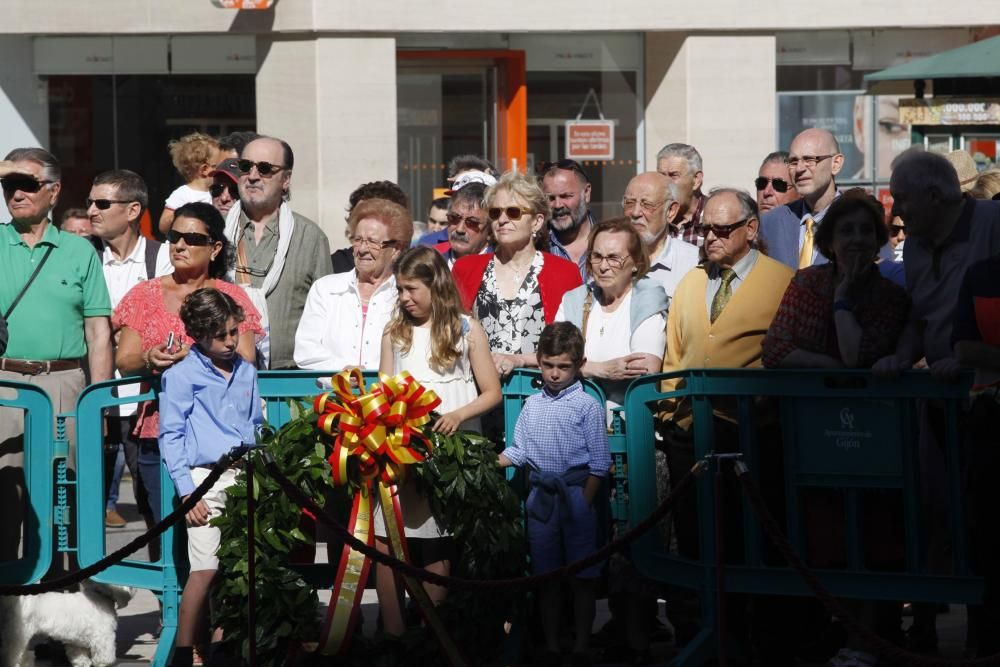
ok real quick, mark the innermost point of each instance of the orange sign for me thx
(590, 139)
(243, 4)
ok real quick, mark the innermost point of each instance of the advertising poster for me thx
(829, 111)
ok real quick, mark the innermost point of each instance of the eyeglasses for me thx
(646, 205)
(514, 213)
(722, 231)
(190, 238)
(807, 161)
(12, 184)
(614, 261)
(377, 246)
(779, 184)
(896, 230)
(546, 166)
(216, 189)
(105, 204)
(455, 219)
(265, 169)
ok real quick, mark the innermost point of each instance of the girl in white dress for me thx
(432, 338)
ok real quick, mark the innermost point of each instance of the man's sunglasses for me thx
(546, 166)
(190, 238)
(514, 213)
(265, 169)
(216, 189)
(455, 219)
(779, 184)
(895, 230)
(722, 231)
(105, 204)
(12, 184)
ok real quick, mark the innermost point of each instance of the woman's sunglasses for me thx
(513, 212)
(779, 184)
(190, 238)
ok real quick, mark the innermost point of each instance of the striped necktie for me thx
(724, 294)
(806, 253)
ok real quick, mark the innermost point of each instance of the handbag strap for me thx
(34, 274)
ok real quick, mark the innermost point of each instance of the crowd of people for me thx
(510, 271)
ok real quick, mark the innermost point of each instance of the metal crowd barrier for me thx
(40, 458)
(840, 430)
(845, 431)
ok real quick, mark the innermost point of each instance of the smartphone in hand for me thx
(170, 343)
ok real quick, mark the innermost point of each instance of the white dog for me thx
(85, 622)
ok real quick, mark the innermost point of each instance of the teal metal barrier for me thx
(842, 430)
(39, 460)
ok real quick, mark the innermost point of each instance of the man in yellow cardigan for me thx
(718, 317)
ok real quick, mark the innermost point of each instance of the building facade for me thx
(390, 90)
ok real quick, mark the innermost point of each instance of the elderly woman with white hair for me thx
(345, 313)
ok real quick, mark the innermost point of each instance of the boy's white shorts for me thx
(203, 541)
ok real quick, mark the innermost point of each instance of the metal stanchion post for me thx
(251, 559)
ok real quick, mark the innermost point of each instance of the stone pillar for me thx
(333, 100)
(24, 100)
(715, 92)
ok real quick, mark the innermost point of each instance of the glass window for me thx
(555, 97)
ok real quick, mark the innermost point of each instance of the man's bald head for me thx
(814, 159)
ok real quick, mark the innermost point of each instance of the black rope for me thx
(124, 552)
(407, 569)
(876, 644)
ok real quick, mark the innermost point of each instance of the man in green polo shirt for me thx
(59, 323)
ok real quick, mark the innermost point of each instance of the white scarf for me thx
(286, 224)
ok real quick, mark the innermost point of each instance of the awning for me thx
(979, 59)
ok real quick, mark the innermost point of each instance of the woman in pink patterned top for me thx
(147, 318)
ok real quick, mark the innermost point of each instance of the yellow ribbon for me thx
(378, 431)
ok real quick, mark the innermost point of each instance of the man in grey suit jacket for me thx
(814, 159)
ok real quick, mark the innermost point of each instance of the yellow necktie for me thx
(724, 294)
(806, 254)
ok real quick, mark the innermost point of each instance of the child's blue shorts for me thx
(566, 537)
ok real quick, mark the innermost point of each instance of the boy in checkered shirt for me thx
(562, 438)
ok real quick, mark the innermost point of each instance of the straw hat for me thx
(966, 168)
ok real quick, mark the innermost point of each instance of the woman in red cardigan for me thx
(517, 290)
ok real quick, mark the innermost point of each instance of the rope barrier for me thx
(224, 462)
(407, 569)
(876, 644)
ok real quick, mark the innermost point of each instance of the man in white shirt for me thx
(650, 201)
(115, 205)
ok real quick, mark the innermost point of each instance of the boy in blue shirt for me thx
(209, 403)
(562, 437)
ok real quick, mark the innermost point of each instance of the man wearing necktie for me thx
(718, 317)
(814, 159)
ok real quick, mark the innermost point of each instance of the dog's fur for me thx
(85, 622)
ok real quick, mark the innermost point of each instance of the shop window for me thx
(555, 97)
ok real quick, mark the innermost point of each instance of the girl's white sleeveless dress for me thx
(456, 388)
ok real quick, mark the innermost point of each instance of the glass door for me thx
(443, 110)
(982, 146)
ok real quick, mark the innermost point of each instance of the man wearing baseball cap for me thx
(225, 189)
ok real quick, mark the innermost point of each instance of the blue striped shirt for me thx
(203, 416)
(557, 432)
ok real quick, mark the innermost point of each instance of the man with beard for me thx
(468, 224)
(650, 201)
(567, 186)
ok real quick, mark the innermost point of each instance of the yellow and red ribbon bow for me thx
(379, 430)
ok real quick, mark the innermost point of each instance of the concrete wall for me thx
(715, 93)
(157, 16)
(24, 100)
(334, 100)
